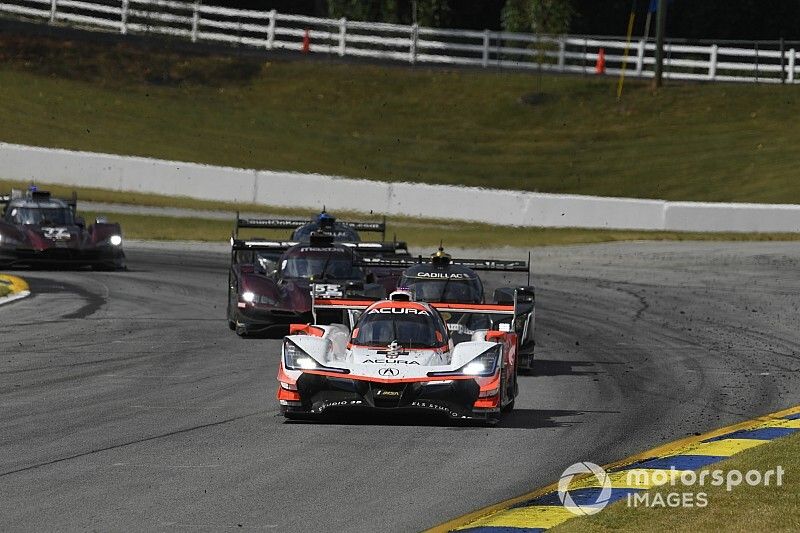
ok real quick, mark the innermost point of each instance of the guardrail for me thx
(289, 189)
(766, 62)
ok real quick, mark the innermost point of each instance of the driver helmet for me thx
(326, 220)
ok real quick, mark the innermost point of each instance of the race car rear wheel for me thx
(514, 389)
(526, 361)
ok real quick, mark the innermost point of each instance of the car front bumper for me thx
(320, 395)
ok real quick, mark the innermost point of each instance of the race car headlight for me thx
(115, 240)
(249, 297)
(294, 358)
(5, 240)
(484, 365)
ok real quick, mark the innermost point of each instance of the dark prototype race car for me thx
(269, 281)
(39, 230)
(323, 222)
(442, 279)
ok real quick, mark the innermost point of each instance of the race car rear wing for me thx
(331, 297)
(497, 265)
(362, 248)
(280, 223)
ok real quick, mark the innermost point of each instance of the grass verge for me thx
(417, 232)
(745, 508)
(713, 142)
(156, 200)
(421, 233)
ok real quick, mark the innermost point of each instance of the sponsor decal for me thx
(394, 351)
(399, 311)
(383, 393)
(388, 372)
(389, 362)
(460, 328)
(56, 234)
(341, 403)
(328, 291)
(441, 275)
(319, 249)
(435, 407)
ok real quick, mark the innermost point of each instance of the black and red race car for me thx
(39, 230)
(269, 281)
(442, 279)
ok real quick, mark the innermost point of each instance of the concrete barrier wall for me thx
(287, 189)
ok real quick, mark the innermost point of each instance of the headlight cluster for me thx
(484, 365)
(5, 240)
(294, 358)
(115, 240)
(253, 298)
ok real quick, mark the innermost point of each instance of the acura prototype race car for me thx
(37, 229)
(440, 278)
(269, 281)
(398, 355)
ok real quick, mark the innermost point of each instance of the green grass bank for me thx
(714, 142)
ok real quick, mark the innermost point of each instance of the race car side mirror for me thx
(80, 222)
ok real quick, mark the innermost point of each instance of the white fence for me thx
(288, 189)
(768, 63)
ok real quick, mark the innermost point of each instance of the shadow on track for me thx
(516, 419)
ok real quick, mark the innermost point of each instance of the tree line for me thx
(689, 19)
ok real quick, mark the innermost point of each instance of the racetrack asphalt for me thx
(127, 404)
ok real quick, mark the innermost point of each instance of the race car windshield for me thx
(447, 290)
(408, 330)
(320, 267)
(42, 216)
(340, 232)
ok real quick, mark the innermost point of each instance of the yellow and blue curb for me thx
(542, 509)
(18, 288)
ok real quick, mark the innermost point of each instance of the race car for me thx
(39, 230)
(398, 355)
(323, 222)
(268, 282)
(440, 278)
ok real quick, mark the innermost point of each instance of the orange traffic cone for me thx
(306, 42)
(600, 67)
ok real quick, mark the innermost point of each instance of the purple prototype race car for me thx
(269, 282)
(39, 230)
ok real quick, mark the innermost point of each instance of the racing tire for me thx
(510, 406)
(231, 320)
(526, 358)
(241, 330)
(492, 420)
